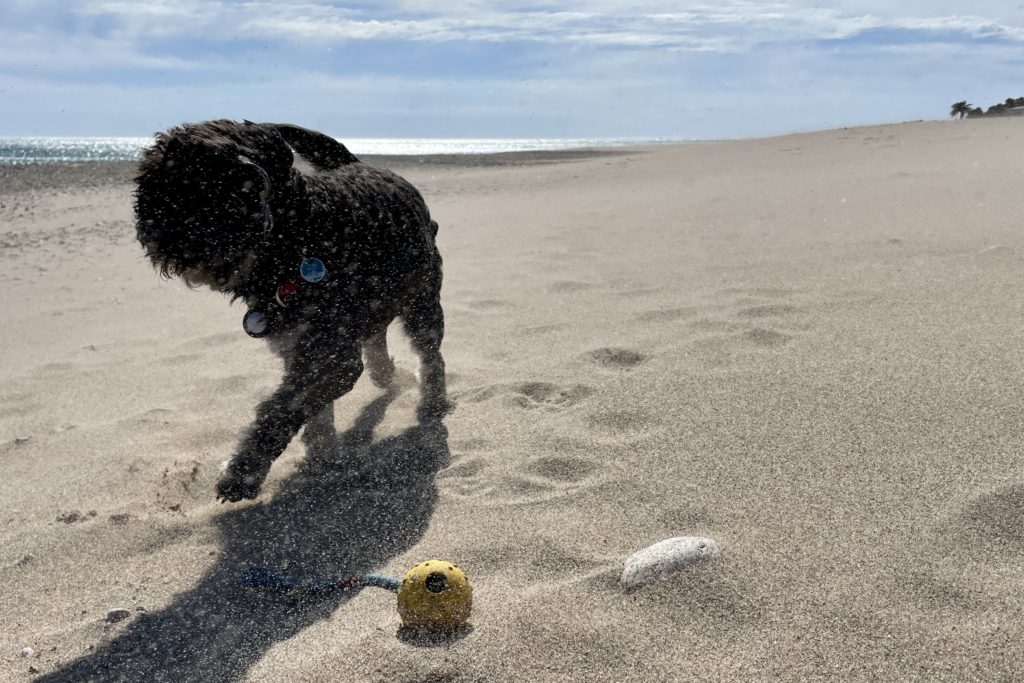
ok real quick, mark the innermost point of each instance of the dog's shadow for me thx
(329, 518)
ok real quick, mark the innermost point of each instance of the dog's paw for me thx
(234, 484)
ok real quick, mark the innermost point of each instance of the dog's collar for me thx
(261, 320)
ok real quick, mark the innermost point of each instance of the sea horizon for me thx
(19, 150)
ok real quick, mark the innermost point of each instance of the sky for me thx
(644, 69)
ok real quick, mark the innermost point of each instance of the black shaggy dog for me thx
(324, 259)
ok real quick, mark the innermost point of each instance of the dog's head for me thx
(202, 199)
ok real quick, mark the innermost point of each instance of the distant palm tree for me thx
(960, 109)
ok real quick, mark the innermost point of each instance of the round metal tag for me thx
(312, 270)
(255, 324)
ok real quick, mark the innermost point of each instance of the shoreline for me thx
(15, 178)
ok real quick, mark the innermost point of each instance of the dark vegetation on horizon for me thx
(1011, 107)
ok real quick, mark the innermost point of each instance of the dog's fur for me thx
(221, 204)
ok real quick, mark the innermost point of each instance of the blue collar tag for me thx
(312, 270)
(255, 323)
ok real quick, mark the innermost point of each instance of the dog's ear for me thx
(322, 151)
(264, 147)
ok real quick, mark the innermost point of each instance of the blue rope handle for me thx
(258, 576)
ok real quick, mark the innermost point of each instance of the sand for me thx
(807, 348)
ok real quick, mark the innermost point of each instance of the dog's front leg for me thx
(320, 435)
(320, 370)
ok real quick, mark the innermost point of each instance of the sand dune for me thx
(806, 348)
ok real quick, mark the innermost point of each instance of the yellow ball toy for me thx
(435, 595)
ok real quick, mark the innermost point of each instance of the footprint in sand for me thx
(519, 490)
(566, 470)
(938, 587)
(764, 315)
(465, 478)
(769, 311)
(568, 286)
(765, 338)
(491, 483)
(971, 543)
(528, 395)
(996, 520)
(667, 315)
(463, 470)
(546, 479)
(616, 358)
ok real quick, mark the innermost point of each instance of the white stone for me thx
(27, 652)
(664, 557)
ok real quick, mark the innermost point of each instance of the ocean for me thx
(34, 150)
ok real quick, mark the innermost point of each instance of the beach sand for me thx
(807, 348)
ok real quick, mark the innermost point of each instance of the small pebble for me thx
(27, 652)
(665, 557)
(117, 614)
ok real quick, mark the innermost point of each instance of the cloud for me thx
(39, 53)
(218, 36)
(730, 27)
